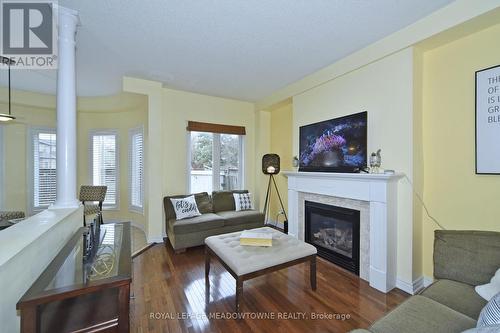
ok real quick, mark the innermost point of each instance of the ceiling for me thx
(241, 49)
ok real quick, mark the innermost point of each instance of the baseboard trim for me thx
(156, 239)
(428, 281)
(144, 249)
(412, 288)
(404, 286)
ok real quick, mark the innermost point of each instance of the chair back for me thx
(92, 193)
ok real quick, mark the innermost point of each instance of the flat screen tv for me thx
(336, 145)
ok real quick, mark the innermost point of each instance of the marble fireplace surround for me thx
(364, 224)
(374, 195)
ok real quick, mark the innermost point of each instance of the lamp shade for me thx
(271, 164)
(6, 117)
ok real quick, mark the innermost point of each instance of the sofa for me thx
(218, 216)
(462, 260)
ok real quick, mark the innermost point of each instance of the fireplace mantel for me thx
(380, 190)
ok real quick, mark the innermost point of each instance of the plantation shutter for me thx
(44, 169)
(136, 169)
(105, 166)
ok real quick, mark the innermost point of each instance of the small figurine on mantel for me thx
(375, 162)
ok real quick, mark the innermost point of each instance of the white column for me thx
(66, 110)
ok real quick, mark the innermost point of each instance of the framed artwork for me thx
(488, 121)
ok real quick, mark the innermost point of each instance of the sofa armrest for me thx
(466, 256)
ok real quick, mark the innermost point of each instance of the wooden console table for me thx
(70, 296)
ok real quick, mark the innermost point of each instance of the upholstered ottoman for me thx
(247, 262)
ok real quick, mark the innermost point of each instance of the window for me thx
(136, 170)
(42, 169)
(104, 165)
(215, 161)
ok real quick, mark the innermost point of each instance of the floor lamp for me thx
(271, 167)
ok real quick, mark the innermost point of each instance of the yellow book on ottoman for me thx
(256, 238)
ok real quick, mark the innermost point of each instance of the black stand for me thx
(268, 199)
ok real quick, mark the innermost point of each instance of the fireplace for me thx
(334, 231)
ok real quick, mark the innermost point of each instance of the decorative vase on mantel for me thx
(375, 162)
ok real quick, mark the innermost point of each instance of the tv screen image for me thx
(336, 145)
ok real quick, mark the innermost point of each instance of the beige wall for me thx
(168, 114)
(120, 112)
(454, 194)
(281, 144)
(384, 89)
(15, 153)
(179, 107)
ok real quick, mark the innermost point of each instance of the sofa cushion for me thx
(242, 217)
(466, 256)
(420, 314)
(224, 200)
(198, 223)
(202, 201)
(459, 296)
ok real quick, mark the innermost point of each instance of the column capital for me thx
(68, 13)
(68, 21)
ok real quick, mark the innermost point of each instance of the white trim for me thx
(241, 162)
(156, 239)
(428, 281)
(131, 133)
(216, 147)
(188, 161)
(2, 168)
(216, 161)
(30, 168)
(95, 132)
(411, 288)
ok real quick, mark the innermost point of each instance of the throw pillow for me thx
(185, 207)
(485, 329)
(490, 314)
(488, 290)
(243, 201)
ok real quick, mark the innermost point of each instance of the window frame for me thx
(134, 131)
(98, 132)
(31, 167)
(216, 159)
(2, 168)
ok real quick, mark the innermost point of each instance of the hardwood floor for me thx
(170, 296)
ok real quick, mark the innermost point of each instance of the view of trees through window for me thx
(215, 162)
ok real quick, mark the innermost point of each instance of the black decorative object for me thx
(271, 164)
(271, 167)
(4, 117)
(91, 238)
